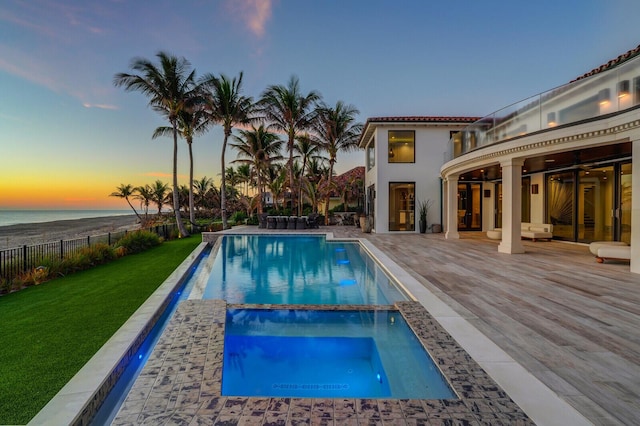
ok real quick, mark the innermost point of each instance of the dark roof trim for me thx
(367, 130)
(611, 64)
(422, 119)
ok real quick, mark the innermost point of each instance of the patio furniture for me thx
(312, 221)
(301, 222)
(262, 220)
(495, 234)
(614, 250)
(291, 222)
(536, 231)
(271, 222)
(281, 222)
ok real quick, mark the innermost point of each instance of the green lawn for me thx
(47, 333)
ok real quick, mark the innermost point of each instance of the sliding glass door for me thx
(591, 203)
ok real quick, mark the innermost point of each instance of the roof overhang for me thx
(374, 122)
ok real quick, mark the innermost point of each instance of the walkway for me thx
(571, 322)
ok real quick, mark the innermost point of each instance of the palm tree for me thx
(276, 177)
(259, 148)
(244, 176)
(308, 149)
(159, 190)
(171, 88)
(287, 110)
(125, 191)
(310, 189)
(337, 131)
(201, 187)
(317, 169)
(191, 122)
(145, 195)
(225, 104)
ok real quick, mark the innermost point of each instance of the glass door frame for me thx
(466, 215)
(617, 200)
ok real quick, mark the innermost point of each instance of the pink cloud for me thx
(253, 13)
(99, 106)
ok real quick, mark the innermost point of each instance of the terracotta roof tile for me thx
(422, 119)
(367, 129)
(612, 63)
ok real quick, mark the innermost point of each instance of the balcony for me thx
(607, 92)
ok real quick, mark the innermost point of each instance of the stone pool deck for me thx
(181, 382)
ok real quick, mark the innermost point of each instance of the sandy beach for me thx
(35, 233)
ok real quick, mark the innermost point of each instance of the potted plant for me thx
(423, 213)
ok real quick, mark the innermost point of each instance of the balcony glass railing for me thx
(607, 92)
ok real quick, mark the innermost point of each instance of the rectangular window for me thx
(402, 206)
(402, 146)
(371, 154)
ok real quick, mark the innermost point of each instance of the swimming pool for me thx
(288, 269)
(327, 354)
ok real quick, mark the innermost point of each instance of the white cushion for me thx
(594, 246)
(614, 252)
(538, 229)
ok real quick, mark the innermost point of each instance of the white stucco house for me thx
(403, 160)
(568, 157)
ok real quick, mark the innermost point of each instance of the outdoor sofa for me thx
(533, 231)
(616, 250)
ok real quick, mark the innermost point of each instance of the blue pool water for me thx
(297, 270)
(326, 354)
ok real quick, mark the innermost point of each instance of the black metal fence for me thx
(17, 260)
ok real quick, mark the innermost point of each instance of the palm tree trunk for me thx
(223, 188)
(300, 203)
(328, 197)
(132, 208)
(260, 208)
(291, 140)
(192, 212)
(176, 198)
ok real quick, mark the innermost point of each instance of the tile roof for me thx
(367, 130)
(422, 119)
(611, 64)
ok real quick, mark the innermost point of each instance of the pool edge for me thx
(81, 397)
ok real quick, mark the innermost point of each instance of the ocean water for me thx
(13, 217)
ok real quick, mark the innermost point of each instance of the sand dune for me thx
(35, 233)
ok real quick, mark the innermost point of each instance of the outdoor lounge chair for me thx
(291, 222)
(301, 222)
(312, 221)
(271, 222)
(262, 220)
(281, 222)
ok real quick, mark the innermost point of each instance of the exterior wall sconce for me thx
(551, 119)
(604, 96)
(623, 88)
(534, 188)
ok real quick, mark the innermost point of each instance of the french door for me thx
(469, 206)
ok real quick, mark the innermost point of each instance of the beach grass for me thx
(48, 332)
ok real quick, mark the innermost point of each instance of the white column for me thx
(451, 216)
(635, 208)
(511, 206)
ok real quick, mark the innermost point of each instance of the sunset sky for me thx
(68, 137)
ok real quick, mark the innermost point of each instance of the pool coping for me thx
(182, 381)
(75, 401)
(78, 401)
(538, 401)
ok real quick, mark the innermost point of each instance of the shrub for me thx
(238, 217)
(135, 242)
(253, 220)
(215, 227)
